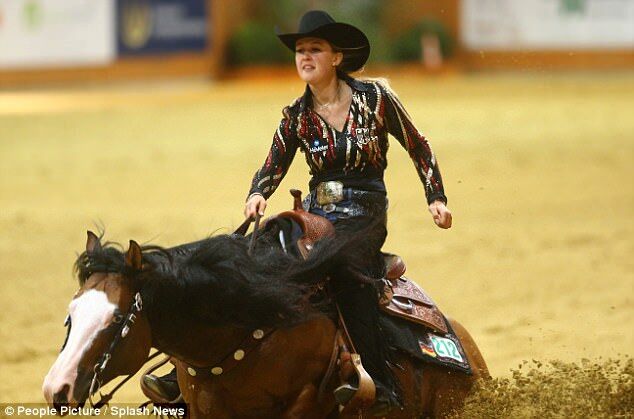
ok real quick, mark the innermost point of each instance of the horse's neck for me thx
(198, 345)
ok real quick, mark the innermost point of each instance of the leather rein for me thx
(127, 321)
(125, 324)
(242, 231)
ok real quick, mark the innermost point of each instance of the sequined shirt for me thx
(356, 155)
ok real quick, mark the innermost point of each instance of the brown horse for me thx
(247, 341)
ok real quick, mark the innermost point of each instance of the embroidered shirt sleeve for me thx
(398, 123)
(268, 178)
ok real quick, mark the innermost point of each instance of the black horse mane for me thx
(216, 282)
(109, 257)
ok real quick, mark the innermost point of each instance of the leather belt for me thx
(332, 192)
(328, 208)
(347, 202)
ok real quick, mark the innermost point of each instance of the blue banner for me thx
(161, 26)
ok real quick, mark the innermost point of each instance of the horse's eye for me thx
(118, 318)
(67, 320)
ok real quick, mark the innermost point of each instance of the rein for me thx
(229, 362)
(244, 227)
(104, 399)
(128, 320)
(252, 339)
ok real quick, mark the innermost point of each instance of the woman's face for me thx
(315, 60)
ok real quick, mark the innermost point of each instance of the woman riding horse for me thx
(341, 124)
(239, 327)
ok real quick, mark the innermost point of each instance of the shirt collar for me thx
(307, 98)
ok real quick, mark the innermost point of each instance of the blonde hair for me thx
(383, 82)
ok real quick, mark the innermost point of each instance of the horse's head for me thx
(108, 335)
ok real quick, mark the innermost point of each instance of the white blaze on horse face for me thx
(90, 313)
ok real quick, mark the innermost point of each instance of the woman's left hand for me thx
(441, 214)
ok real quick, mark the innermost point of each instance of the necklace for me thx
(326, 106)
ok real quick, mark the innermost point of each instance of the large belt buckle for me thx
(329, 192)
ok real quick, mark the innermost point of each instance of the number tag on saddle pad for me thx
(445, 350)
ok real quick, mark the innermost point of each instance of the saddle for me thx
(313, 227)
(401, 297)
(406, 299)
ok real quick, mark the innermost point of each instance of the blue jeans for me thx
(350, 207)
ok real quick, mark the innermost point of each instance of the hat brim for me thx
(350, 39)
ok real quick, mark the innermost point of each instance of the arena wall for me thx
(207, 62)
(224, 16)
(401, 14)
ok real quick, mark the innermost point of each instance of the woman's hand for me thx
(441, 214)
(256, 204)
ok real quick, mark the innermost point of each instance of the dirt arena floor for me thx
(538, 170)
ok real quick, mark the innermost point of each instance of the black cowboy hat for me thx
(349, 39)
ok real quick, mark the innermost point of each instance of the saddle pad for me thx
(405, 299)
(423, 344)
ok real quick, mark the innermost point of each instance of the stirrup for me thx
(345, 392)
(151, 385)
(362, 397)
(157, 390)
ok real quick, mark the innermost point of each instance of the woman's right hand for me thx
(256, 204)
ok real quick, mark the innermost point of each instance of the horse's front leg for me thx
(307, 406)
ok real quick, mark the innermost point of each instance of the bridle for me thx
(125, 323)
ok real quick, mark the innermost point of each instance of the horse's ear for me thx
(133, 257)
(92, 242)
